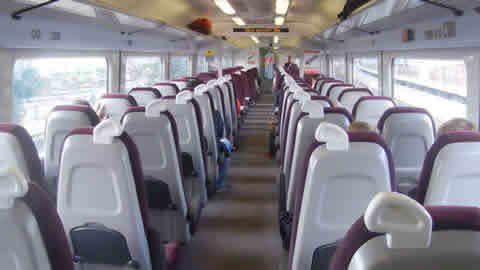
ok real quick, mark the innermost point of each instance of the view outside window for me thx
(41, 84)
(202, 65)
(179, 67)
(227, 61)
(339, 68)
(440, 86)
(365, 73)
(143, 71)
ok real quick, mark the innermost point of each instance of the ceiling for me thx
(305, 18)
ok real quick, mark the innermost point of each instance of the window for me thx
(339, 68)
(202, 65)
(440, 86)
(178, 66)
(227, 61)
(41, 84)
(365, 73)
(143, 71)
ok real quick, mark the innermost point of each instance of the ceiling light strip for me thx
(238, 21)
(279, 20)
(281, 6)
(225, 6)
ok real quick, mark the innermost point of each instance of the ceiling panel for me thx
(305, 17)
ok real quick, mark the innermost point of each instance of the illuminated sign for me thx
(261, 30)
(210, 53)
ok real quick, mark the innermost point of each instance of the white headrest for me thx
(407, 223)
(228, 77)
(335, 137)
(200, 89)
(184, 97)
(238, 73)
(158, 106)
(106, 131)
(13, 184)
(211, 83)
(314, 109)
(302, 96)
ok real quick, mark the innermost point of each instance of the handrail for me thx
(17, 14)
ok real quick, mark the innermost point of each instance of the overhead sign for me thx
(210, 53)
(261, 30)
(252, 57)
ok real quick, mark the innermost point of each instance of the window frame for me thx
(377, 55)
(189, 65)
(331, 62)
(125, 55)
(471, 56)
(35, 54)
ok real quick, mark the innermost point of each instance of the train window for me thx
(438, 85)
(339, 68)
(39, 84)
(179, 66)
(365, 73)
(143, 71)
(202, 65)
(227, 61)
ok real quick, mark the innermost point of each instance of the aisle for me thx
(239, 228)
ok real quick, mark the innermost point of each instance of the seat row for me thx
(341, 172)
(123, 187)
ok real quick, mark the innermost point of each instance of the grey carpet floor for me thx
(239, 228)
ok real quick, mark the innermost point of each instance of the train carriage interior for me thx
(239, 134)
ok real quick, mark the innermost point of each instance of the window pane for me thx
(202, 65)
(365, 73)
(339, 68)
(41, 84)
(143, 71)
(178, 67)
(227, 61)
(440, 86)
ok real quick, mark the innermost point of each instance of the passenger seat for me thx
(409, 132)
(31, 231)
(102, 201)
(145, 95)
(450, 174)
(116, 104)
(60, 122)
(371, 109)
(345, 171)
(156, 136)
(434, 237)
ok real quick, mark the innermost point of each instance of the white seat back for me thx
(116, 104)
(60, 122)
(156, 139)
(371, 109)
(341, 180)
(99, 183)
(190, 138)
(409, 132)
(349, 98)
(450, 172)
(145, 95)
(167, 88)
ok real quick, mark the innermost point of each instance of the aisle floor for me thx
(239, 228)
